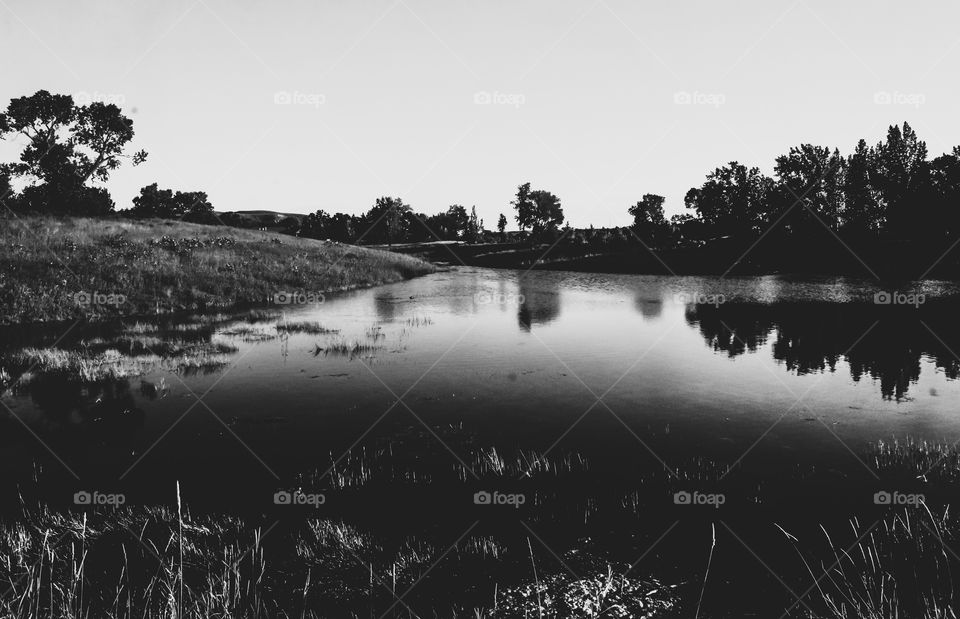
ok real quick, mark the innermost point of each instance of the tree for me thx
(735, 200)
(388, 220)
(163, 203)
(154, 202)
(502, 226)
(649, 224)
(67, 146)
(538, 210)
(474, 229)
(945, 192)
(195, 206)
(813, 176)
(902, 175)
(861, 215)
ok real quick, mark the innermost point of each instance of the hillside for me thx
(68, 268)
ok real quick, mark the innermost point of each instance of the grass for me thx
(87, 366)
(158, 266)
(313, 328)
(351, 348)
(163, 561)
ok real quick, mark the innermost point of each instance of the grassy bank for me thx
(63, 269)
(397, 535)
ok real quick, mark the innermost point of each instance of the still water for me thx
(768, 373)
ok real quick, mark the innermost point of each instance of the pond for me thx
(765, 373)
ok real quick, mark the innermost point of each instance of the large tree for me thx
(903, 178)
(861, 215)
(388, 221)
(649, 223)
(538, 209)
(811, 187)
(734, 200)
(66, 147)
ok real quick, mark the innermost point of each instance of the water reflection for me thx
(883, 342)
(540, 301)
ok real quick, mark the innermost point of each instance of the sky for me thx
(301, 105)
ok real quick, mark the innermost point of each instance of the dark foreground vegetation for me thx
(402, 534)
(67, 268)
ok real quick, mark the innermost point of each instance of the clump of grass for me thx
(375, 333)
(351, 348)
(110, 364)
(418, 321)
(931, 461)
(896, 567)
(310, 327)
(140, 328)
(248, 334)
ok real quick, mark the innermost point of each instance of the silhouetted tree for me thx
(388, 220)
(649, 224)
(861, 216)
(811, 187)
(538, 210)
(67, 146)
(902, 176)
(164, 203)
(502, 226)
(734, 200)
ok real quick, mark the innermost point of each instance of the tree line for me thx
(888, 191)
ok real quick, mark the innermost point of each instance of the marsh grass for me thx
(305, 326)
(346, 348)
(111, 364)
(163, 266)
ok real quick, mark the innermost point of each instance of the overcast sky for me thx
(295, 106)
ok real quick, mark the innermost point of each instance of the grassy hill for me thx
(67, 268)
